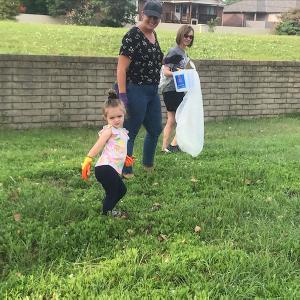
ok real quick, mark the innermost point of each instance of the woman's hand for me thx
(123, 98)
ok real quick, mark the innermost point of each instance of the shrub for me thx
(102, 13)
(83, 15)
(61, 7)
(9, 9)
(212, 23)
(290, 23)
(35, 7)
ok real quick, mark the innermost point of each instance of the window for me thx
(184, 9)
(177, 8)
(211, 10)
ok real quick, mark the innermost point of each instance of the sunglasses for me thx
(187, 36)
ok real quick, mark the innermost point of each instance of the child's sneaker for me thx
(119, 214)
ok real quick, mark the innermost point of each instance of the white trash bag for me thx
(190, 117)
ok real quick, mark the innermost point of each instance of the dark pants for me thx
(113, 185)
(143, 109)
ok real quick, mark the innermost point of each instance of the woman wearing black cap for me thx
(138, 75)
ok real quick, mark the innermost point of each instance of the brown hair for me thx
(112, 101)
(184, 29)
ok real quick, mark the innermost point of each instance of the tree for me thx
(113, 13)
(102, 13)
(61, 7)
(9, 9)
(212, 23)
(35, 7)
(117, 13)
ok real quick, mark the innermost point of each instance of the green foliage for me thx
(94, 12)
(242, 191)
(9, 9)
(212, 23)
(118, 13)
(36, 7)
(84, 14)
(290, 23)
(61, 7)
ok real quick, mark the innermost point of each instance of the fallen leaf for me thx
(247, 181)
(17, 217)
(197, 229)
(193, 179)
(14, 195)
(148, 229)
(162, 238)
(130, 231)
(156, 206)
(124, 215)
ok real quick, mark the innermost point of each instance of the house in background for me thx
(257, 13)
(188, 11)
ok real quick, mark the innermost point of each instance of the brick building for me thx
(257, 13)
(188, 11)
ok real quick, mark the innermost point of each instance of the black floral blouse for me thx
(146, 58)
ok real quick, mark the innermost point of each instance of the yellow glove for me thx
(86, 168)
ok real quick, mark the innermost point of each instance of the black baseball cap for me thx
(153, 9)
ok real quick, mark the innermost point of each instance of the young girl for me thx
(113, 143)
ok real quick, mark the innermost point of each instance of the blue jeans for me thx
(143, 109)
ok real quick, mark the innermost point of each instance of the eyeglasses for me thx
(187, 36)
(155, 19)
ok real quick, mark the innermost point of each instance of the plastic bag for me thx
(190, 117)
(181, 81)
(164, 80)
(181, 77)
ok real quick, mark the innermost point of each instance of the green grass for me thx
(17, 38)
(243, 191)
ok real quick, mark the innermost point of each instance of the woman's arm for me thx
(123, 64)
(167, 71)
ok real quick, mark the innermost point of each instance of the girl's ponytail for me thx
(112, 94)
(112, 101)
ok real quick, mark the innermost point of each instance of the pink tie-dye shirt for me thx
(115, 149)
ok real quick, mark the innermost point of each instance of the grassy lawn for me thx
(19, 38)
(242, 191)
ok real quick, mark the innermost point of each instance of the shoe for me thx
(148, 169)
(127, 175)
(119, 214)
(172, 149)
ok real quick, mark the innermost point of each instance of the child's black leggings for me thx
(113, 185)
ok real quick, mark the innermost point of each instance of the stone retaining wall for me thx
(45, 91)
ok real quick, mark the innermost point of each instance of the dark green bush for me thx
(9, 9)
(35, 7)
(290, 23)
